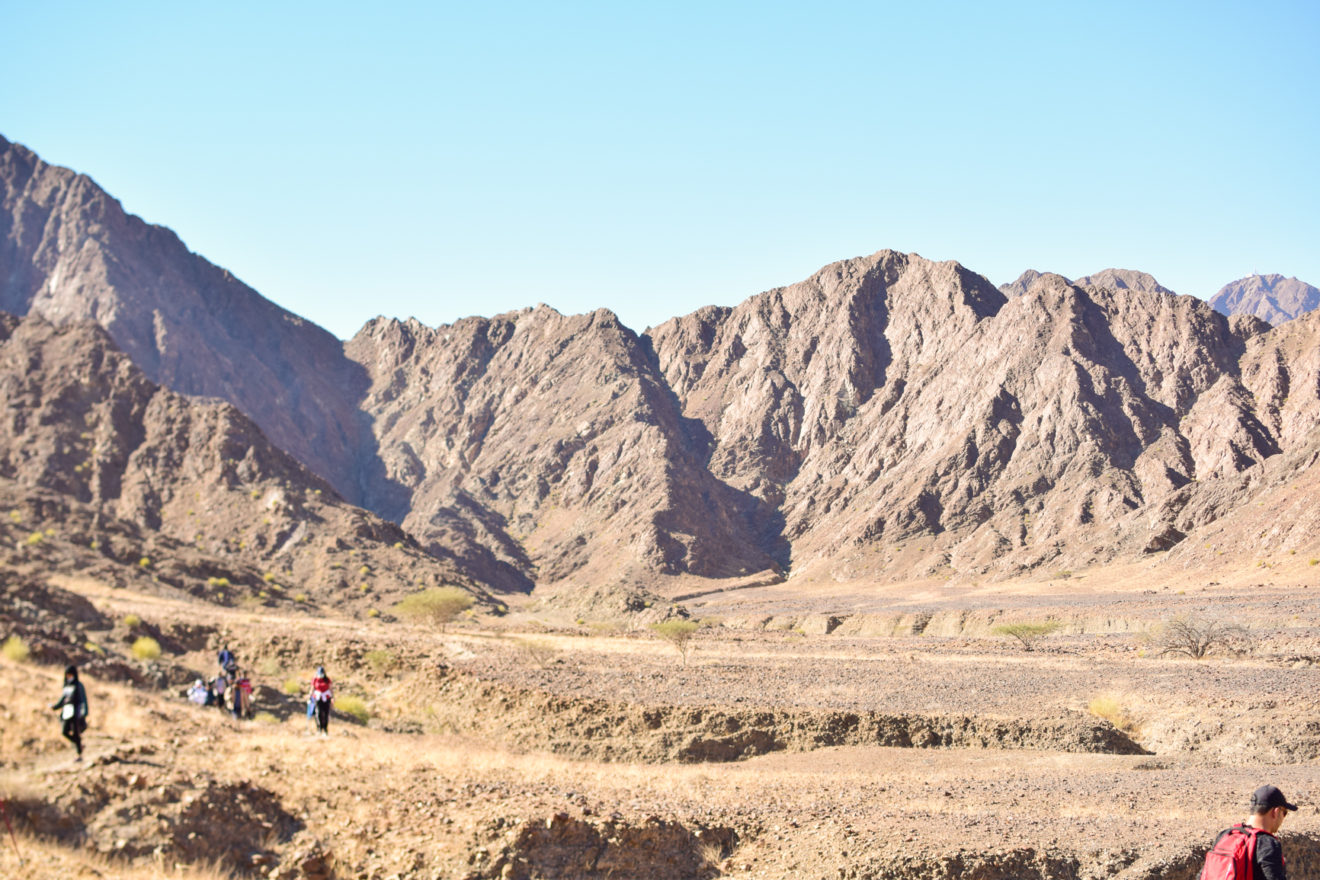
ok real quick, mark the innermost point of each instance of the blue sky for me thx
(441, 160)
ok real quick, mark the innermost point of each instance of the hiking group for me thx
(235, 682)
(230, 679)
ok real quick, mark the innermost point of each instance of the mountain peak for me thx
(1271, 298)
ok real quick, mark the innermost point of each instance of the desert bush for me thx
(354, 706)
(435, 605)
(15, 649)
(300, 597)
(1110, 709)
(132, 620)
(380, 661)
(1028, 633)
(603, 628)
(35, 538)
(1194, 636)
(93, 648)
(678, 633)
(538, 652)
(217, 582)
(373, 612)
(293, 687)
(145, 562)
(146, 648)
(265, 718)
(268, 577)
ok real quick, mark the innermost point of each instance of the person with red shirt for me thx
(322, 695)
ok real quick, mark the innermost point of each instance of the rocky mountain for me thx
(889, 417)
(565, 433)
(1115, 279)
(69, 252)
(83, 421)
(991, 432)
(1124, 279)
(1271, 298)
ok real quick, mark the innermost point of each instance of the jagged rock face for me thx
(82, 419)
(69, 252)
(891, 397)
(561, 430)
(1271, 298)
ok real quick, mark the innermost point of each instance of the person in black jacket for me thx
(1268, 809)
(73, 709)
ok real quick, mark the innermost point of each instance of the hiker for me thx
(1252, 843)
(73, 709)
(323, 695)
(200, 694)
(228, 662)
(242, 697)
(218, 688)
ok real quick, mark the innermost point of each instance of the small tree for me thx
(436, 605)
(678, 633)
(1197, 636)
(1027, 633)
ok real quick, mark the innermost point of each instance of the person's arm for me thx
(1269, 858)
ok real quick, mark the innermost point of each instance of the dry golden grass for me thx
(44, 860)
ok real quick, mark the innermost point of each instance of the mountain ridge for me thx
(819, 429)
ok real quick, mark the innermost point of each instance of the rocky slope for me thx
(1271, 298)
(888, 400)
(889, 417)
(69, 251)
(82, 420)
(564, 433)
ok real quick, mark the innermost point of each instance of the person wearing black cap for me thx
(73, 706)
(1253, 842)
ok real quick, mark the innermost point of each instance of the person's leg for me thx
(323, 716)
(72, 735)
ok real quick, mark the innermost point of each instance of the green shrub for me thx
(146, 648)
(678, 633)
(268, 577)
(355, 707)
(145, 562)
(15, 649)
(132, 620)
(265, 718)
(373, 612)
(1028, 633)
(380, 661)
(93, 648)
(35, 538)
(300, 597)
(293, 687)
(436, 605)
(217, 582)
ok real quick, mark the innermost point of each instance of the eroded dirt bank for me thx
(604, 731)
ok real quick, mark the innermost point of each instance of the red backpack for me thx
(1233, 856)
